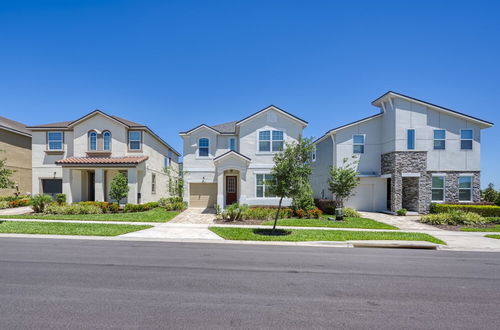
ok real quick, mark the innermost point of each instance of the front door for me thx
(91, 186)
(231, 190)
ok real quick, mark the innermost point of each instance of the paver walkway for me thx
(195, 216)
(16, 210)
(409, 222)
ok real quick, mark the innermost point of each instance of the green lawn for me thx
(323, 222)
(493, 236)
(300, 235)
(155, 215)
(64, 228)
(493, 229)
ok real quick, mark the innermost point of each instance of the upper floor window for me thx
(465, 188)
(466, 139)
(271, 141)
(92, 140)
(358, 144)
(438, 188)
(232, 144)
(106, 141)
(439, 139)
(166, 162)
(203, 147)
(153, 183)
(313, 154)
(410, 139)
(262, 185)
(134, 140)
(55, 140)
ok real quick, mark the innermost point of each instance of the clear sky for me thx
(175, 64)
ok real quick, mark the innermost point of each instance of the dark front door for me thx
(91, 186)
(231, 190)
(52, 187)
(389, 193)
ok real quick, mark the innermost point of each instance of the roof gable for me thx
(14, 126)
(233, 154)
(275, 108)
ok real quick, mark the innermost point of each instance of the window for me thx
(465, 188)
(166, 162)
(55, 140)
(106, 141)
(153, 183)
(232, 144)
(313, 154)
(203, 146)
(466, 139)
(439, 139)
(134, 140)
(358, 144)
(262, 185)
(271, 141)
(92, 140)
(410, 136)
(438, 188)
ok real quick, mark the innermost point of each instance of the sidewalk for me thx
(16, 210)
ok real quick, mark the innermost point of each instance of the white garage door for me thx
(364, 198)
(202, 195)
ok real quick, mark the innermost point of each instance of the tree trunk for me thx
(277, 214)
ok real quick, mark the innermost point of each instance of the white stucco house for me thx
(231, 162)
(409, 154)
(79, 158)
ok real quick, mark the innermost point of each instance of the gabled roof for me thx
(128, 160)
(389, 94)
(272, 107)
(335, 130)
(125, 122)
(229, 127)
(232, 152)
(14, 126)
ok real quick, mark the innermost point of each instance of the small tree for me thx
(490, 194)
(175, 181)
(5, 174)
(342, 181)
(292, 168)
(119, 187)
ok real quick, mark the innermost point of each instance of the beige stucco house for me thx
(15, 148)
(80, 158)
(231, 162)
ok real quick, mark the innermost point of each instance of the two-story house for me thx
(231, 162)
(408, 155)
(80, 158)
(15, 149)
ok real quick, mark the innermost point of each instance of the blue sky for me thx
(175, 64)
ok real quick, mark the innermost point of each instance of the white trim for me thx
(199, 127)
(198, 148)
(386, 176)
(270, 129)
(438, 174)
(141, 138)
(200, 169)
(444, 190)
(261, 166)
(466, 174)
(434, 138)
(267, 109)
(410, 175)
(263, 187)
(470, 189)
(332, 132)
(48, 141)
(471, 139)
(358, 144)
(110, 140)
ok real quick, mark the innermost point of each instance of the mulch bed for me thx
(239, 222)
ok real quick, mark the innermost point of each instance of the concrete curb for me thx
(396, 244)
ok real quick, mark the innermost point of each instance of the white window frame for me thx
(444, 188)
(471, 139)
(263, 186)
(313, 154)
(270, 130)
(130, 140)
(414, 139)
(358, 144)
(166, 162)
(229, 141)
(61, 140)
(153, 183)
(470, 188)
(89, 140)
(434, 139)
(208, 148)
(104, 141)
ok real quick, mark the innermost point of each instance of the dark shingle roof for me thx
(229, 127)
(14, 125)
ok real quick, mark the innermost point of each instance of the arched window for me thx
(203, 147)
(92, 140)
(106, 141)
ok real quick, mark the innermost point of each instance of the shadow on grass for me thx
(270, 232)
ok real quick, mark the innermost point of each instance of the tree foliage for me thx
(343, 180)
(305, 199)
(175, 181)
(5, 174)
(490, 194)
(119, 187)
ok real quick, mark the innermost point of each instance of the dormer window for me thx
(93, 140)
(203, 147)
(134, 140)
(106, 141)
(55, 140)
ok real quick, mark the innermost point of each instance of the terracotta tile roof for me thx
(129, 160)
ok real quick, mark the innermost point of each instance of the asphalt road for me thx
(77, 284)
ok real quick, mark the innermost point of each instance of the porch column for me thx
(66, 185)
(220, 189)
(132, 186)
(99, 185)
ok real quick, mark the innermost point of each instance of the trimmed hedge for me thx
(482, 210)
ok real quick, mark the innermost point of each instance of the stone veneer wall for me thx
(410, 192)
(451, 185)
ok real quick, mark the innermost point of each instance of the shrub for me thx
(402, 212)
(304, 200)
(106, 207)
(495, 220)
(350, 213)
(300, 213)
(4, 205)
(55, 208)
(39, 202)
(453, 218)
(325, 205)
(235, 212)
(20, 202)
(13, 198)
(266, 213)
(314, 213)
(483, 210)
(177, 206)
(134, 208)
(61, 198)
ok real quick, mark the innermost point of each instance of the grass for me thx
(64, 228)
(485, 229)
(493, 236)
(323, 222)
(302, 235)
(154, 215)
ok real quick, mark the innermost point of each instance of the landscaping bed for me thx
(304, 235)
(493, 236)
(64, 228)
(324, 222)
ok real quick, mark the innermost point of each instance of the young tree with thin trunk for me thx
(119, 187)
(5, 174)
(292, 168)
(343, 180)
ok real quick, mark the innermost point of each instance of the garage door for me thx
(52, 187)
(202, 194)
(364, 198)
